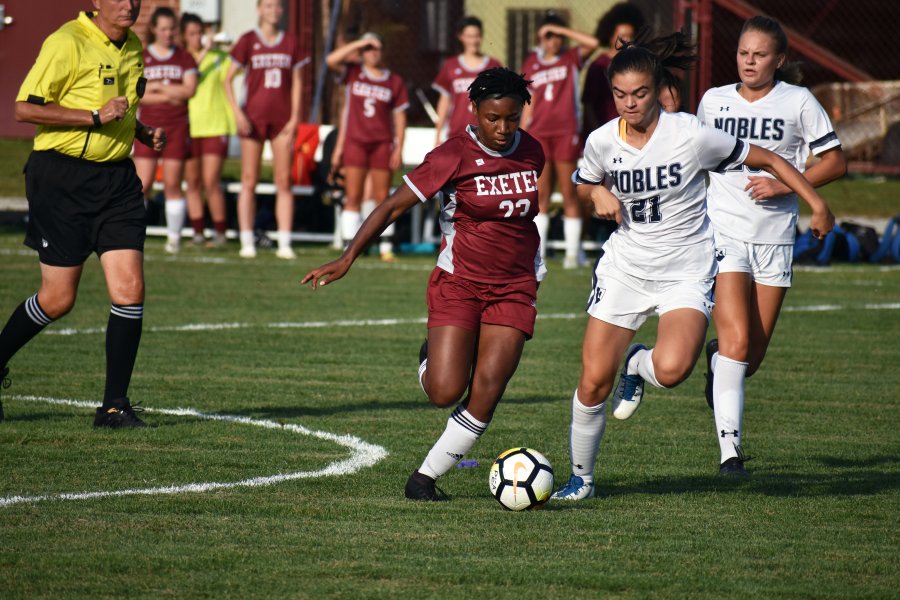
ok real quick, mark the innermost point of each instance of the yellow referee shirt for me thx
(79, 67)
(210, 111)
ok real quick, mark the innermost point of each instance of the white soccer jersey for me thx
(790, 122)
(665, 233)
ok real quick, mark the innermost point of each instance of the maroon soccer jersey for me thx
(370, 104)
(554, 93)
(453, 81)
(488, 205)
(268, 74)
(167, 69)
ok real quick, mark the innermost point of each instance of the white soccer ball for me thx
(521, 479)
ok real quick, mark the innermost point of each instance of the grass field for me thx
(245, 342)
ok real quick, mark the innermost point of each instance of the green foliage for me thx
(817, 519)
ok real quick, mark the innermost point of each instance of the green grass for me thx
(818, 518)
(852, 196)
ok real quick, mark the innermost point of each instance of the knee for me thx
(593, 393)
(735, 345)
(443, 394)
(128, 290)
(57, 303)
(671, 370)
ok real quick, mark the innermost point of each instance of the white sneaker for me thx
(247, 252)
(173, 246)
(570, 262)
(285, 253)
(575, 489)
(630, 390)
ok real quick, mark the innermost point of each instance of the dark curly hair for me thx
(615, 16)
(499, 82)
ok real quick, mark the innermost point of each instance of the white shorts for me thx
(624, 300)
(768, 264)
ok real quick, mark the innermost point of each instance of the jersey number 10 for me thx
(272, 79)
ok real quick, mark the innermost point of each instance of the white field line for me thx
(401, 266)
(416, 321)
(362, 455)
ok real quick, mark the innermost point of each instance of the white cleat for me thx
(247, 252)
(285, 253)
(173, 247)
(575, 489)
(630, 390)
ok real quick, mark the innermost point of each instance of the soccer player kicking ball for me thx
(661, 259)
(481, 296)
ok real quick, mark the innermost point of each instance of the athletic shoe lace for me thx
(574, 484)
(630, 384)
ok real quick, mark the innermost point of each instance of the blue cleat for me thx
(630, 390)
(574, 489)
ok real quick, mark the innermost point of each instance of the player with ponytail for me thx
(646, 170)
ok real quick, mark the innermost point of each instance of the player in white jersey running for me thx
(646, 170)
(754, 216)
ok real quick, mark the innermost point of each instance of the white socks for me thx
(462, 431)
(175, 214)
(284, 240)
(585, 434)
(728, 403)
(642, 364)
(247, 238)
(542, 220)
(350, 222)
(572, 236)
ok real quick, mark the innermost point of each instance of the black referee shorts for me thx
(78, 206)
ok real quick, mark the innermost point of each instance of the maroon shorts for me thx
(178, 143)
(464, 303)
(215, 146)
(262, 129)
(367, 155)
(566, 148)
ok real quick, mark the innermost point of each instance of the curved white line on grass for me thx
(392, 322)
(362, 455)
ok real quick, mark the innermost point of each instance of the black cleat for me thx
(712, 346)
(4, 384)
(120, 415)
(734, 466)
(422, 487)
(423, 351)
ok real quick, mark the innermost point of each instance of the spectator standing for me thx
(212, 124)
(454, 108)
(554, 119)
(374, 126)
(171, 80)
(271, 60)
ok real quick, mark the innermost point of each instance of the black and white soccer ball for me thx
(521, 479)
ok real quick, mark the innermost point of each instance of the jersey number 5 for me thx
(646, 210)
(509, 207)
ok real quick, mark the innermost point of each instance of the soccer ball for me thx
(521, 479)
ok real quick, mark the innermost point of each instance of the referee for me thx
(83, 192)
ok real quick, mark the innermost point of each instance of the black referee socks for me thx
(123, 335)
(26, 322)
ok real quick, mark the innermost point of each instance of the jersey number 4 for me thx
(646, 210)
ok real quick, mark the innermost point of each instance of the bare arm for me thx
(243, 124)
(443, 110)
(335, 60)
(586, 43)
(822, 220)
(290, 128)
(399, 137)
(386, 213)
(54, 114)
(606, 204)
(831, 166)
